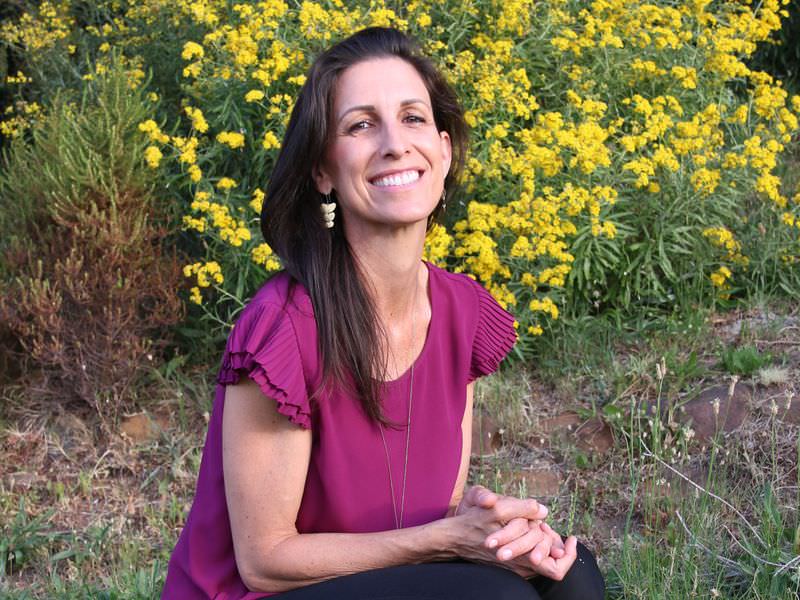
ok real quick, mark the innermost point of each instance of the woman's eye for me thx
(415, 118)
(358, 125)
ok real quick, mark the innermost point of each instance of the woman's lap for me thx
(457, 581)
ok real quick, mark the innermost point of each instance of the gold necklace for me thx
(398, 519)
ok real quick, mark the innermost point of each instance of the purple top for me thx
(347, 487)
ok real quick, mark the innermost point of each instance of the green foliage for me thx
(744, 360)
(607, 142)
(22, 540)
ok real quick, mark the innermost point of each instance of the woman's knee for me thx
(480, 582)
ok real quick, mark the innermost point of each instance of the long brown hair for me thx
(319, 258)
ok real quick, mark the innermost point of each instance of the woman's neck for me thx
(391, 264)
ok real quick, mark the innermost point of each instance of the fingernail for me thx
(492, 543)
(505, 554)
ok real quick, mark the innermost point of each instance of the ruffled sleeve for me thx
(263, 345)
(494, 336)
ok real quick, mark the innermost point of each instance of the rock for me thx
(24, 479)
(565, 421)
(595, 437)
(542, 483)
(487, 437)
(788, 410)
(706, 421)
(140, 428)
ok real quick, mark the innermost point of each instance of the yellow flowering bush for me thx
(623, 150)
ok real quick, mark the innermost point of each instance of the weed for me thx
(23, 539)
(744, 361)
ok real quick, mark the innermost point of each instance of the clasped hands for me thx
(515, 535)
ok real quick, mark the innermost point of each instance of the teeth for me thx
(397, 179)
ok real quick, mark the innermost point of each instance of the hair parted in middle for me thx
(348, 329)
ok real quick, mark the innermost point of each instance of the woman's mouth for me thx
(400, 179)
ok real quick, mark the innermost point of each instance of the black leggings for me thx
(458, 581)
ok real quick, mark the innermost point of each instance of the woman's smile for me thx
(397, 180)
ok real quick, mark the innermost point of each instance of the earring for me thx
(328, 211)
(444, 198)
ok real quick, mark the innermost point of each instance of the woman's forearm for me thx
(306, 558)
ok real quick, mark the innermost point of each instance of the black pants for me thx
(458, 581)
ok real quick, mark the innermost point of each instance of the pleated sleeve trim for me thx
(263, 345)
(494, 337)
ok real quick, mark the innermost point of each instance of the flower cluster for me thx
(205, 275)
(608, 137)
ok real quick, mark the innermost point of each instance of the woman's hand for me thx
(515, 536)
(522, 543)
(553, 566)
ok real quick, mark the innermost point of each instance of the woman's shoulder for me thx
(283, 291)
(278, 316)
(458, 287)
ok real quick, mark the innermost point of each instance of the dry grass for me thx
(97, 515)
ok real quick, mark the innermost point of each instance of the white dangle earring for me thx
(328, 211)
(444, 198)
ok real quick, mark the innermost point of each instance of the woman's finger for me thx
(514, 529)
(541, 550)
(507, 508)
(478, 495)
(522, 545)
(557, 544)
(562, 565)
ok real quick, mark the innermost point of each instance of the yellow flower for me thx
(258, 201)
(720, 277)
(231, 139)
(198, 120)
(270, 141)
(254, 96)
(153, 156)
(226, 183)
(195, 295)
(263, 255)
(153, 131)
(192, 50)
(195, 174)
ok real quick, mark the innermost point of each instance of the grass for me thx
(667, 515)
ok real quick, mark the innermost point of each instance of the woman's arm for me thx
(265, 461)
(466, 452)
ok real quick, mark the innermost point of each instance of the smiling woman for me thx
(387, 160)
(339, 443)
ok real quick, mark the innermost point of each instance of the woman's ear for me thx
(321, 180)
(447, 151)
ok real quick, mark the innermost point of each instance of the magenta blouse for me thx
(274, 342)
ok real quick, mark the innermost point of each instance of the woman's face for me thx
(386, 161)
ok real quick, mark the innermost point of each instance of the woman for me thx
(339, 443)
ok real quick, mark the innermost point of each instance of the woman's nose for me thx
(393, 140)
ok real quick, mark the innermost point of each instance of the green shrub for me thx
(86, 286)
(745, 360)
